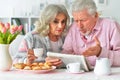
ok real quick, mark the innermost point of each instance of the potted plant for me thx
(7, 34)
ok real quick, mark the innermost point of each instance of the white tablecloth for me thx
(58, 74)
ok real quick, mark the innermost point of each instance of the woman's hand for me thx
(55, 61)
(30, 56)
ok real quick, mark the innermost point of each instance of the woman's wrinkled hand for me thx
(30, 56)
(55, 61)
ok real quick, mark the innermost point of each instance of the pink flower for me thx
(8, 32)
(1, 24)
(20, 28)
(7, 25)
(12, 30)
(16, 28)
(3, 30)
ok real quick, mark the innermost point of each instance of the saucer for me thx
(81, 71)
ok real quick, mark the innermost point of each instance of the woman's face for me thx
(57, 26)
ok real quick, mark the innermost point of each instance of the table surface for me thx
(58, 74)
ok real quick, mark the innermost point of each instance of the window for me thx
(102, 2)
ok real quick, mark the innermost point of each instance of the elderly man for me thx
(92, 36)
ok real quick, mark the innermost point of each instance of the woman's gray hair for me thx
(79, 5)
(48, 15)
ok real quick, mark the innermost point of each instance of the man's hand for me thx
(95, 50)
(55, 61)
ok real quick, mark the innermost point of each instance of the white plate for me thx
(37, 71)
(81, 71)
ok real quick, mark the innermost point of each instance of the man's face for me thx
(85, 21)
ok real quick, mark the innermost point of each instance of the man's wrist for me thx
(99, 51)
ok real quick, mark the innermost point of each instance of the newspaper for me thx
(68, 58)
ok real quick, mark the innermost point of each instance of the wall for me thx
(32, 7)
(19, 7)
(110, 9)
(24, 7)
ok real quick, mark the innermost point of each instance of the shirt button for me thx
(83, 45)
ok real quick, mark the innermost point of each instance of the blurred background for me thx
(28, 11)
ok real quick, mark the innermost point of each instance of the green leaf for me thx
(1, 40)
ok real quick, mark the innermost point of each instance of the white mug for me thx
(102, 66)
(38, 52)
(73, 67)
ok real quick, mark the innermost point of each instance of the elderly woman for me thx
(48, 34)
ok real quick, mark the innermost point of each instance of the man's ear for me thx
(96, 15)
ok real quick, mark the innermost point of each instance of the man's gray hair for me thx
(79, 5)
(48, 15)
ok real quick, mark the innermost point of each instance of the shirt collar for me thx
(98, 25)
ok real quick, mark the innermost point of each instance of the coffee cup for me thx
(102, 66)
(38, 52)
(74, 67)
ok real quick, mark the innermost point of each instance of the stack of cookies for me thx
(33, 66)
